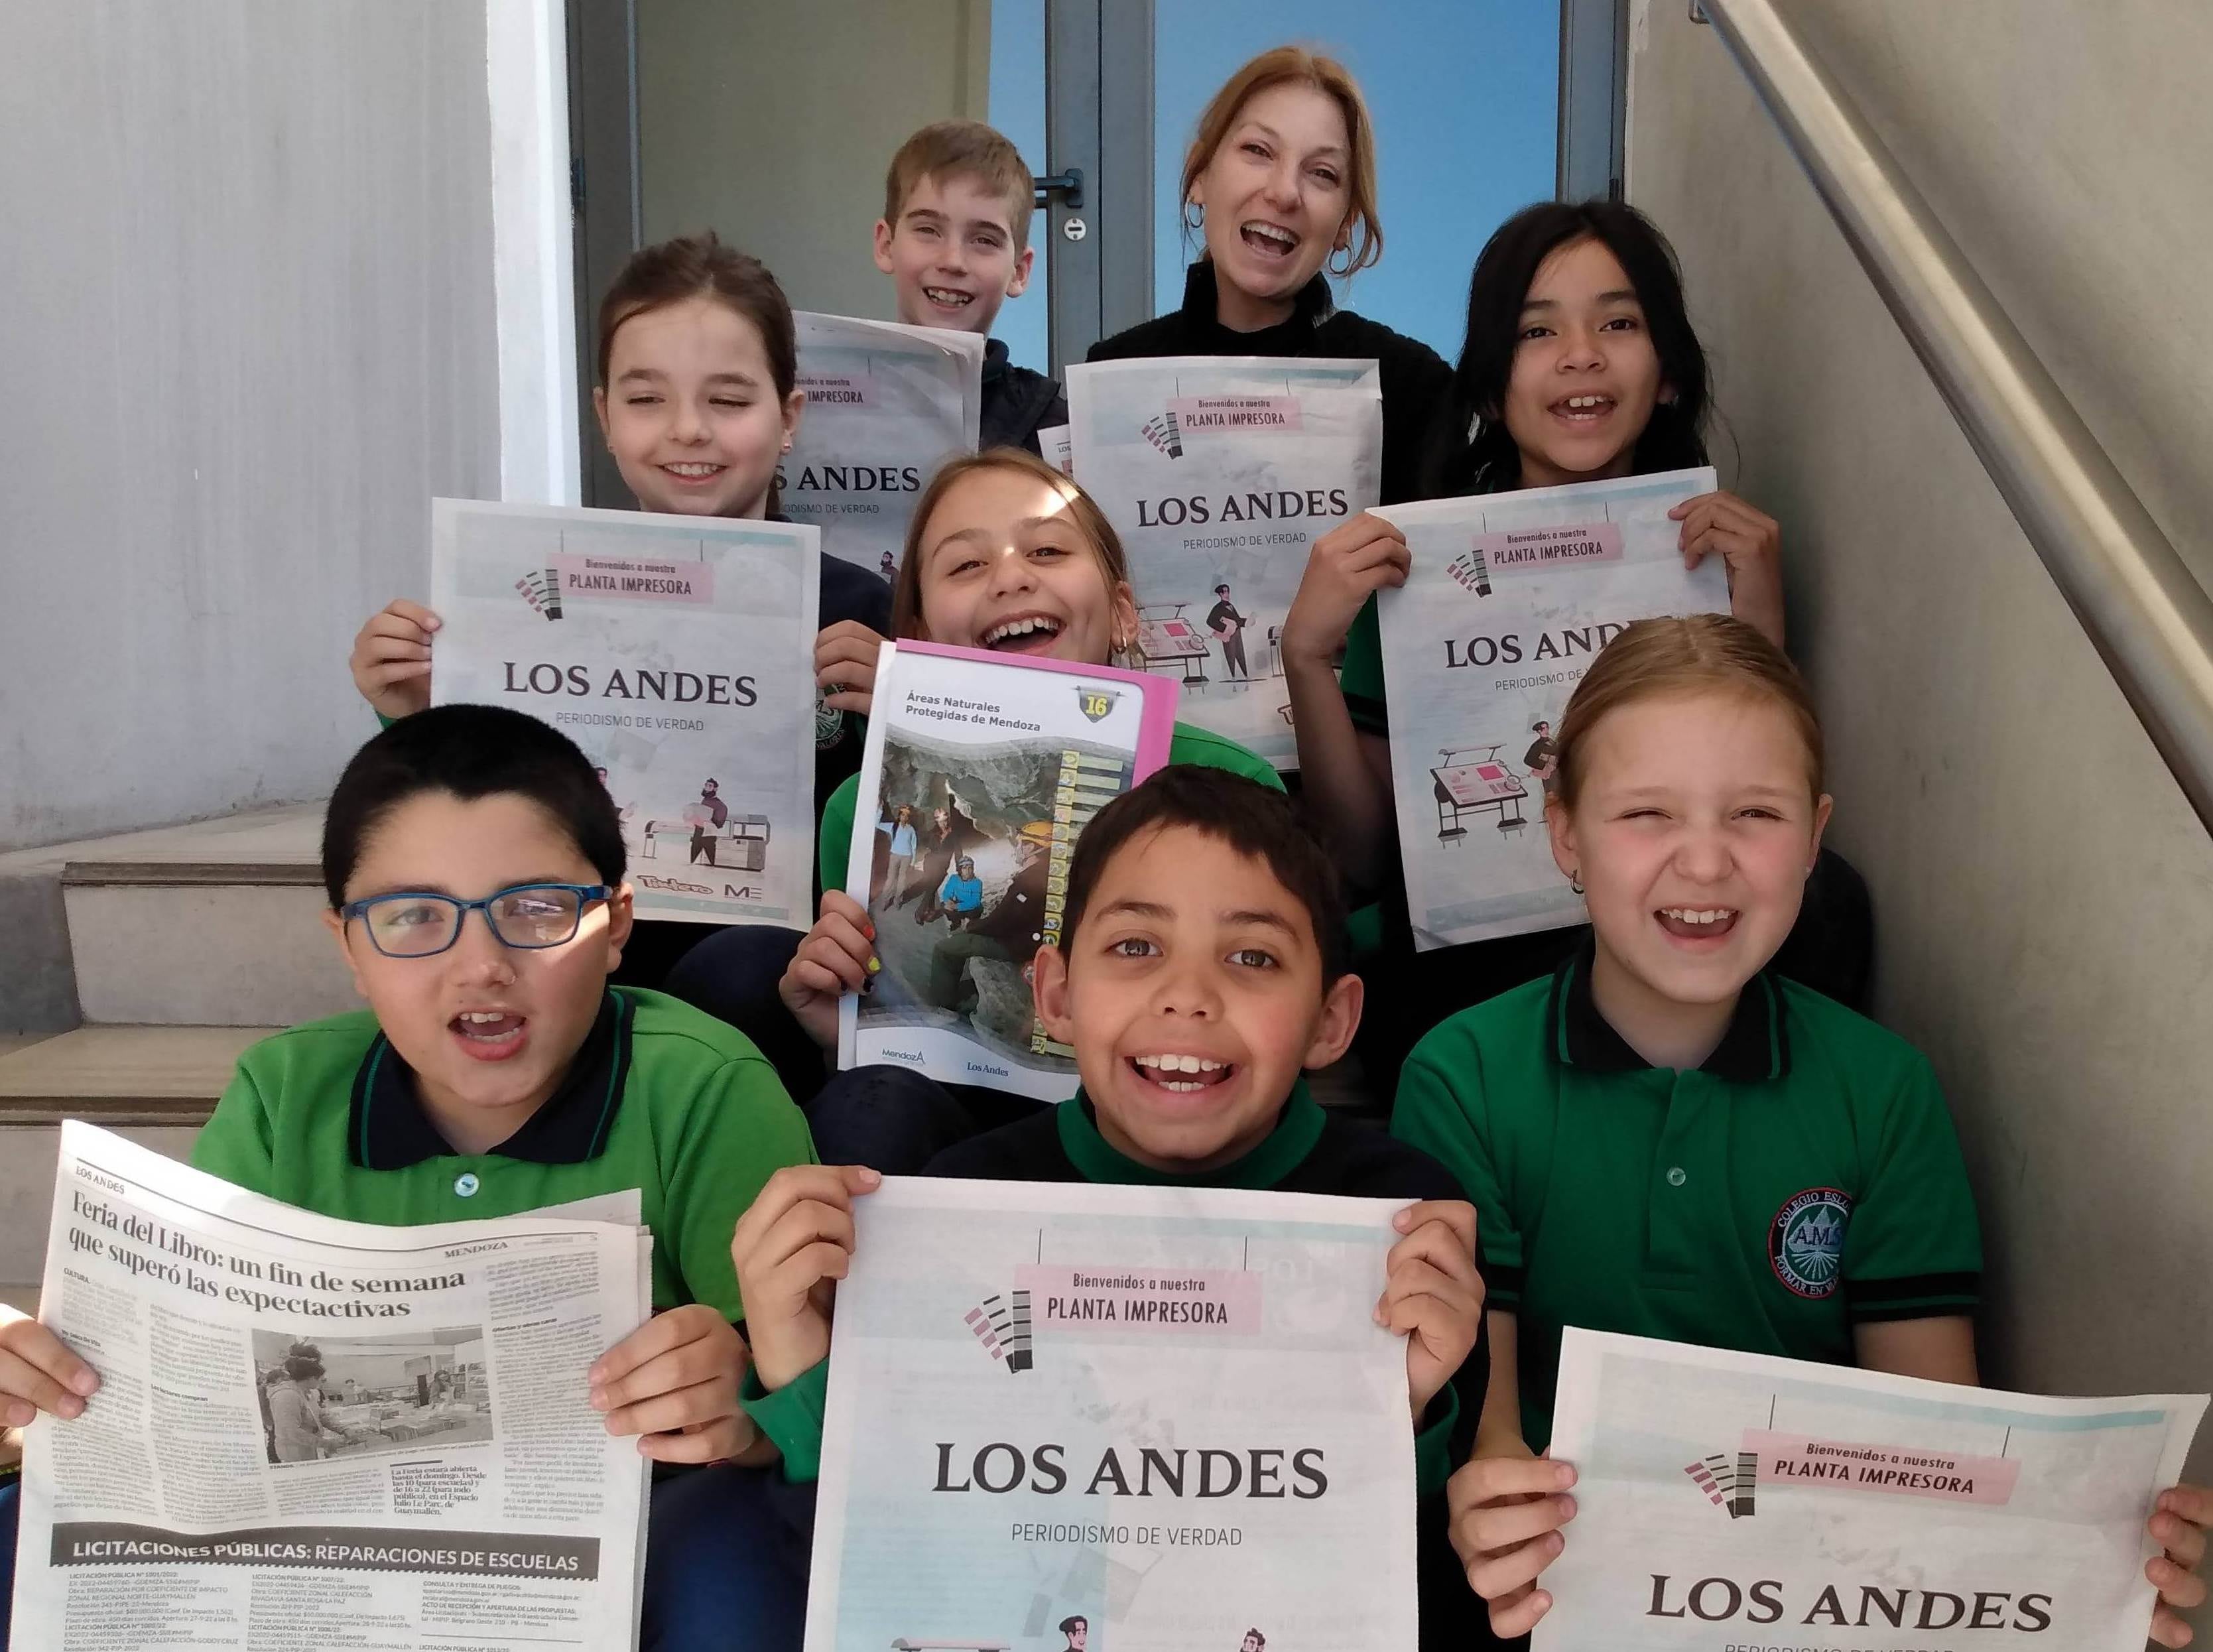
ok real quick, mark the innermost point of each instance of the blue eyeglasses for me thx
(529, 917)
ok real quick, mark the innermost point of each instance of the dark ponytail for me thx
(1472, 450)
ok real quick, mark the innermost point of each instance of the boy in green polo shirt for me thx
(1662, 1138)
(474, 865)
(1203, 967)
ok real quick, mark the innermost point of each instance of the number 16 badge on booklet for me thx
(980, 772)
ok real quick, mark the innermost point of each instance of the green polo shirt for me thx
(660, 1097)
(1805, 1178)
(833, 838)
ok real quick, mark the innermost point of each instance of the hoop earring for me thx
(1575, 881)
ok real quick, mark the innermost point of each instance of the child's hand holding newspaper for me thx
(791, 1249)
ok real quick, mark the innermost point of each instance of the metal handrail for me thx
(2143, 610)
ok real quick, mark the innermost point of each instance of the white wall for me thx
(772, 121)
(2044, 897)
(248, 300)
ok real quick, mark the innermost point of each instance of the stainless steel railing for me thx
(2144, 611)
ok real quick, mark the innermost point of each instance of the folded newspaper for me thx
(376, 1437)
(980, 771)
(886, 403)
(1163, 1415)
(1738, 1501)
(1510, 598)
(1219, 473)
(679, 652)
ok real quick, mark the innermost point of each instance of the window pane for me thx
(1018, 110)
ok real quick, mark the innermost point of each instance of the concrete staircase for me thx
(135, 970)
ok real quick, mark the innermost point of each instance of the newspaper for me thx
(1167, 1412)
(679, 652)
(886, 403)
(980, 772)
(443, 1482)
(1738, 1500)
(1510, 597)
(1219, 473)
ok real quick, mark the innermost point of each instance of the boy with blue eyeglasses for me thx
(474, 864)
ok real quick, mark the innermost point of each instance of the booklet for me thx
(373, 1436)
(1219, 473)
(980, 771)
(1510, 597)
(886, 403)
(1738, 1500)
(679, 652)
(1143, 1417)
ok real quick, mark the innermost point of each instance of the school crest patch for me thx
(1805, 1242)
(829, 721)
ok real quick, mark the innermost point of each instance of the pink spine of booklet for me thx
(1157, 727)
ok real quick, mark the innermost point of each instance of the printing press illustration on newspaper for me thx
(1469, 779)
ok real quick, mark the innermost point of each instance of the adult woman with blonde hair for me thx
(1280, 183)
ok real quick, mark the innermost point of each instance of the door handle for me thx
(1068, 185)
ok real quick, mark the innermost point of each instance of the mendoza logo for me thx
(1096, 703)
(1002, 1326)
(829, 721)
(1806, 1240)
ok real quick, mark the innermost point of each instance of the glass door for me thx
(773, 121)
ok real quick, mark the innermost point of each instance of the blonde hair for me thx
(1295, 65)
(1090, 520)
(1706, 653)
(963, 149)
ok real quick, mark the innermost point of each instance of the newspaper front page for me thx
(1165, 1414)
(679, 652)
(886, 403)
(1738, 1501)
(313, 1433)
(1510, 597)
(1219, 473)
(980, 771)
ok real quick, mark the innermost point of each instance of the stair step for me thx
(202, 954)
(216, 924)
(119, 1076)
